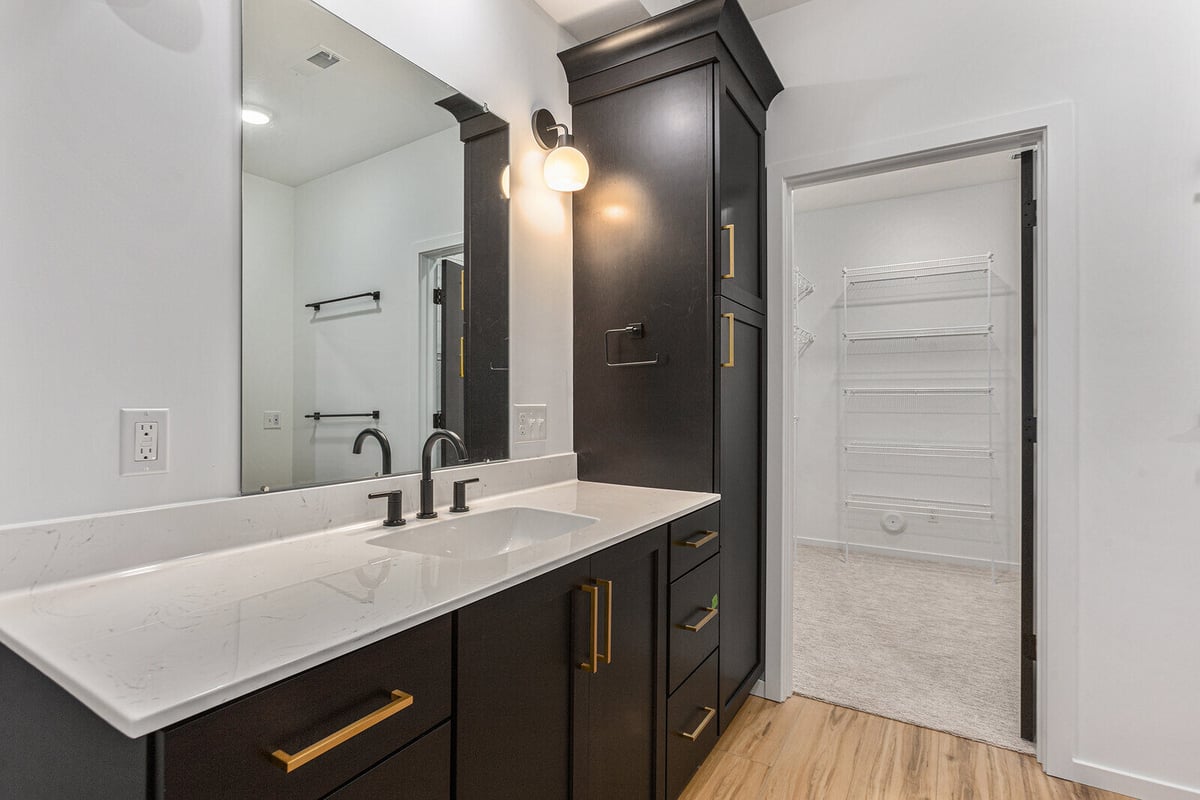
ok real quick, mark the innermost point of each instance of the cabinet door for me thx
(626, 751)
(741, 203)
(520, 689)
(742, 385)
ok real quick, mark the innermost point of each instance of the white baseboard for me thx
(916, 555)
(1128, 783)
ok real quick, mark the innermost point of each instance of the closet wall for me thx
(960, 221)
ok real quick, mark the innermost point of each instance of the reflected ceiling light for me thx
(566, 169)
(252, 115)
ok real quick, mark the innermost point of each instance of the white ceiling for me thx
(588, 19)
(323, 121)
(904, 182)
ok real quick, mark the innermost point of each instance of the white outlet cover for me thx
(530, 422)
(130, 465)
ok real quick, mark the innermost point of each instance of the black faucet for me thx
(383, 445)
(427, 511)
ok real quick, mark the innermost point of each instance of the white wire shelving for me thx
(972, 268)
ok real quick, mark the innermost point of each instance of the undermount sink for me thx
(485, 534)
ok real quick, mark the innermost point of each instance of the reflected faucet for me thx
(427, 511)
(383, 446)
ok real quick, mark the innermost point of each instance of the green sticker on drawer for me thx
(715, 600)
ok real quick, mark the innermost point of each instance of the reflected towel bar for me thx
(317, 305)
(318, 416)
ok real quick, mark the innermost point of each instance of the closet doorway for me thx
(914, 434)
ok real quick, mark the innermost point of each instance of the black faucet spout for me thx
(453, 438)
(384, 447)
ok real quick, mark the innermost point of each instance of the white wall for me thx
(268, 311)
(942, 224)
(863, 72)
(120, 221)
(362, 229)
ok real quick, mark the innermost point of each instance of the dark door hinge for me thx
(439, 420)
(439, 297)
(1030, 430)
(1029, 214)
(1031, 647)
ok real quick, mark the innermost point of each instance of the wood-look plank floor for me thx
(808, 750)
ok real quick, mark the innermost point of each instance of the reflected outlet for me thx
(531, 423)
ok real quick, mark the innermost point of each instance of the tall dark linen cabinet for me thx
(669, 268)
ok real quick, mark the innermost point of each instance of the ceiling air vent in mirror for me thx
(319, 59)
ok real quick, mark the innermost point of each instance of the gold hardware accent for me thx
(705, 538)
(694, 735)
(461, 371)
(462, 290)
(291, 763)
(712, 612)
(732, 259)
(594, 657)
(608, 587)
(729, 363)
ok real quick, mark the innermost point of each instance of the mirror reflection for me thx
(375, 256)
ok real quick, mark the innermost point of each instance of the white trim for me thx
(924, 556)
(1058, 461)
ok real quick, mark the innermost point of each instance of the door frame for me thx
(1051, 129)
(429, 255)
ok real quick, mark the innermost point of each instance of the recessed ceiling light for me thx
(255, 116)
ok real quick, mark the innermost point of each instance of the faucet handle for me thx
(395, 507)
(460, 496)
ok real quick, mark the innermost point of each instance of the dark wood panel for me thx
(53, 747)
(691, 597)
(227, 752)
(420, 771)
(691, 542)
(627, 700)
(741, 444)
(740, 178)
(521, 706)
(642, 228)
(686, 711)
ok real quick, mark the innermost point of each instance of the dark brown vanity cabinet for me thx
(670, 284)
(561, 681)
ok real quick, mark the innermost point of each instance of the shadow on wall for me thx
(175, 24)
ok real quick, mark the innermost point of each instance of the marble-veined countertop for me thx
(151, 646)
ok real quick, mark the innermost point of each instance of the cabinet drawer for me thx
(691, 726)
(420, 771)
(695, 621)
(694, 539)
(228, 753)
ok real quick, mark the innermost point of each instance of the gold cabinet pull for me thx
(707, 618)
(608, 588)
(698, 539)
(593, 662)
(461, 372)
(694, 735)
(462, 290)
(729, 363)
(290, 763)
(732, 258)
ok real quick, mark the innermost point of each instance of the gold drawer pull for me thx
(712, 612)
(694, 735)
(593, 662)
(462, 373)
(732, 259)
(608, 588)
(729, 363)
(705, 538)
(400, 701)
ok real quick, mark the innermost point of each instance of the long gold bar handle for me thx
(732, 257)
(608, 588)
(593, 662)
(461, 371)
(694, 735)
(462, 290)
(712, 612)
(705, 538)
(729, 363)
(291, 763)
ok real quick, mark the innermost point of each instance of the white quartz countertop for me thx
(148, 647)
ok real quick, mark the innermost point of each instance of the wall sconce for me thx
(566, 169)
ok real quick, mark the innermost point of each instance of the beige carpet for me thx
(933, 644)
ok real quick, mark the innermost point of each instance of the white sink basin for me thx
(485, 534)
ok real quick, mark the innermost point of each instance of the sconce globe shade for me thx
(255, 116)
(566, 169)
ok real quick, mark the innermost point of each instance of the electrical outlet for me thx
(144, 434)
(271, 420)
(531, 423)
